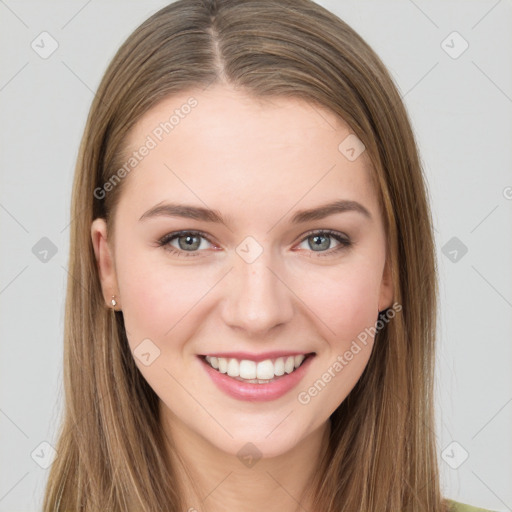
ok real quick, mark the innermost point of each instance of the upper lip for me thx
(257, 357)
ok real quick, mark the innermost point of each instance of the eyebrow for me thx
(208, 215)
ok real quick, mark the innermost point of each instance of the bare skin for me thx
(257, 163)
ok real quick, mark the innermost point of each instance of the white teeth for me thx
(250, 370)
(279, 366)
(265, 370)
(289, 365)
(233, 368)
(223, 364)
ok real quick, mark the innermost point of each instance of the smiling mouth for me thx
(262, 372)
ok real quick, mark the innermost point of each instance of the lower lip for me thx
(257, 392)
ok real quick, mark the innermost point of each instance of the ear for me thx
(104, 260)
(387, 290)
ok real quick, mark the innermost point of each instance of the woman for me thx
(250, 320)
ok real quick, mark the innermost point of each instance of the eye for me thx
(320, 242)
(187, 242)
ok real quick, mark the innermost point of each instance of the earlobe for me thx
(104, 260)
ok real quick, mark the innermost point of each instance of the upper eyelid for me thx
(331, 232)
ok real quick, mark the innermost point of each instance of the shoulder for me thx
(455, 506)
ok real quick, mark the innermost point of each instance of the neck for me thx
(212, 480)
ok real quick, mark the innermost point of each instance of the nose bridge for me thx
(257, 300)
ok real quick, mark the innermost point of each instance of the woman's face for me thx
(251, 277)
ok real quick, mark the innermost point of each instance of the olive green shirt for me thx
(462, 507)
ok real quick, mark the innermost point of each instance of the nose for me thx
(257, 296)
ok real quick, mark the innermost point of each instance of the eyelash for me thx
(344, 242)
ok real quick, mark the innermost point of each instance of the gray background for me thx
(461, 110)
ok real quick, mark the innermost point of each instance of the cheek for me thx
(344, 299)
(346, 303)
(157, 300)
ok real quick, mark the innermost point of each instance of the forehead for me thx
(227, 147)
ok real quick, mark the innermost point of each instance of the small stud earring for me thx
(113, 301)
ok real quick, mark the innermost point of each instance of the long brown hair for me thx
(382, 453)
